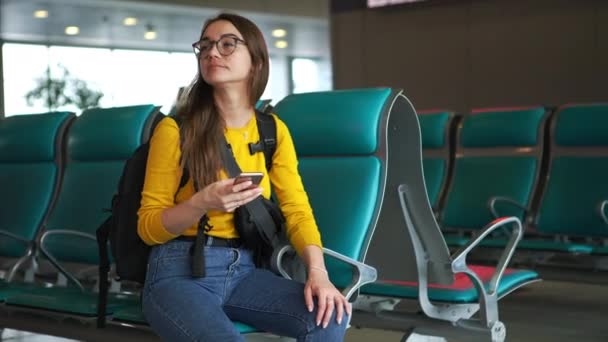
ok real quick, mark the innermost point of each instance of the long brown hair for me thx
(202, 131)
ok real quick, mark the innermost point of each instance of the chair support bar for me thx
(53, 260)
(492, 205)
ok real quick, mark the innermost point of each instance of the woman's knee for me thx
(334, 331)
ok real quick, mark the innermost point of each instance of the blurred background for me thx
(72, 54)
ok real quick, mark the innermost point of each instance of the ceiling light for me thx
(72, 30)
(150, 35)
(41, 14)
(280, 44)
(279, 33)
(150, 32)
(129, 21)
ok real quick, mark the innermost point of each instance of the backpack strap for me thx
(267, 128)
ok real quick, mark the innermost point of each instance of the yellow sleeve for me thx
(287, 184)
(163, 174)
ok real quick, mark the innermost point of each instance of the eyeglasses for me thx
(225, 45)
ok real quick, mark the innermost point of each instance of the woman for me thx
(218, 107)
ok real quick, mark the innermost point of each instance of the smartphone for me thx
(254, 177)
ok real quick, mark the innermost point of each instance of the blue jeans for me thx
(179, 307)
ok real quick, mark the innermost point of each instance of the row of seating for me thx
(545, 166)
(361, 162)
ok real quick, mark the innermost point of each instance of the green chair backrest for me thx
(578, 171)
(30, 173)
(340, 142)
(436, 128)
(99, 143)
(499, 153)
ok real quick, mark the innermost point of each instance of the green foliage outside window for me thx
(65, 90)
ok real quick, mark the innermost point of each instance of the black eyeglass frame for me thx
(197, 45)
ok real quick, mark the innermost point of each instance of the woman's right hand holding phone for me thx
(225, 195)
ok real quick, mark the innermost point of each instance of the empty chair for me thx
(99, 142)
(412, 258)
(31, 165)
(496, 170)
(572, 205)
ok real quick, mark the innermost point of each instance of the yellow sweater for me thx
(163, 175)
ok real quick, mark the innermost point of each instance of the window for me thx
(125, 77)
(309, 75)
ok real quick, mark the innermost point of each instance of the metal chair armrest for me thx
(363, 274)
(459, 263)
(493, 200)
(31, 248)
(602, 211)
(54, 261)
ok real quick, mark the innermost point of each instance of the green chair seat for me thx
(8, 290)
(541, 245)
(603, 250)
(132, 314)
(66, 300)
(461, 291)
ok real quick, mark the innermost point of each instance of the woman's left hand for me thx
(328, 297)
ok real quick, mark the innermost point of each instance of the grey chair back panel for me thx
(391, 250)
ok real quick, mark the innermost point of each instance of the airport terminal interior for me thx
(454, 152)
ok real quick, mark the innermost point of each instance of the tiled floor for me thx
(19, 336)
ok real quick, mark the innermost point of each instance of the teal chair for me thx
(573, 203)
(437, 129)
(99, 142)
(31, 167)
(412, 257)
(496, 171)
(339, 141)
(263, 105)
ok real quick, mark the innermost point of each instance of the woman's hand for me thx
(224, 195)
(328, 297)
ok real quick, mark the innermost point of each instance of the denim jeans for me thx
(179, 307)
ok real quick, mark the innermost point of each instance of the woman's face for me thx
(231, 62)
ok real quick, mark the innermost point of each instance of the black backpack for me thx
(129, 252)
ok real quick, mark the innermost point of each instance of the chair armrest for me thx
(493, 200)
(602, 211)
(459, 263)
(363, 274)
(54, 261)
(31, 251)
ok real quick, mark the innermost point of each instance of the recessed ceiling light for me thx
(72, 30)
(279, 33)
(280, 44)
(41, 14)
(150, 35)
(129, 21)
(150, 32)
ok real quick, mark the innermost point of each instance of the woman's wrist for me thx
(196, 207)
(317, 269)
